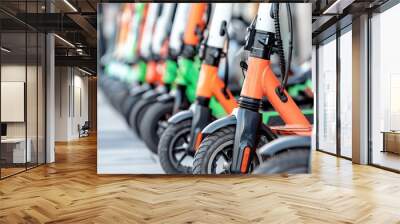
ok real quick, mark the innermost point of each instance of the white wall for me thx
(34, 124)
(79, 115)
(71, 94)
(62, 81)
(12, 73)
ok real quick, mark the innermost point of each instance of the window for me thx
(346, 94)
(385, 89)
(327, 96)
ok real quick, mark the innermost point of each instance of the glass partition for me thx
(327, 96)
(15, 149)
(22, 77)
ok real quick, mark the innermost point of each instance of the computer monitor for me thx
(3, 129)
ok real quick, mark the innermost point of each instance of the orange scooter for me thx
(229, 145)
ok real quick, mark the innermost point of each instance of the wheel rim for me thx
(177, 151)
(219, 162)
(221, 159)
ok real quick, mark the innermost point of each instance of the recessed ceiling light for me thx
(70, 5)
(337, 7)
(5, 50)
(84, 71)
(65, 41)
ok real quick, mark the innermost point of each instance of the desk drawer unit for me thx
(391, 142)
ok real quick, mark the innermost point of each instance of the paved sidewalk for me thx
(118, 149)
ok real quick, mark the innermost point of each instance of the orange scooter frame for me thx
(209, 85)
(263, 82)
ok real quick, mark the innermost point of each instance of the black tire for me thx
(175, 134)
(154, 123)
(128, 104)
(136, 115)
(212, 145)
(117, 95)
(293, 161)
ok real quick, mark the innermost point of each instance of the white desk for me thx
(18, 151)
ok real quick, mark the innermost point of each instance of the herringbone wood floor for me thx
(70, 191)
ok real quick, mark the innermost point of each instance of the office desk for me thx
(13, 150)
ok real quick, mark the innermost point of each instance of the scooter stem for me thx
(163, 27)
(211, 54)
(145, 49)
(178, 28)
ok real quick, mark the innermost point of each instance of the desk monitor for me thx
(3, 129)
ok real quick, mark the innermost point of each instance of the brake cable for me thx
(208, 19)
(279, 44)
(208, 14)
(290, 27)
(243, 64)
(224, 31)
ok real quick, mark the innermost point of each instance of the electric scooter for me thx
(184, 84)
(127, 65)
(109, 31)
(213, 98)
(156, 67)
(152, 77)
(117, 88)
(229, 144)
(163, 106)
(137, 78)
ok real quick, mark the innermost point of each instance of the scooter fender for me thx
(232, 120)
(218, 124)
(165, 98)
(283, 143)
(139, 90)
(181, 116)
(151, 94)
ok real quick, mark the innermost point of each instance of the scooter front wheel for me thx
(127, 105)
(172, 148)
(136, 115)
(214, 155)
(292, 161)
(154, 123)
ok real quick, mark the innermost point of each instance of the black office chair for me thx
(84, 130)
